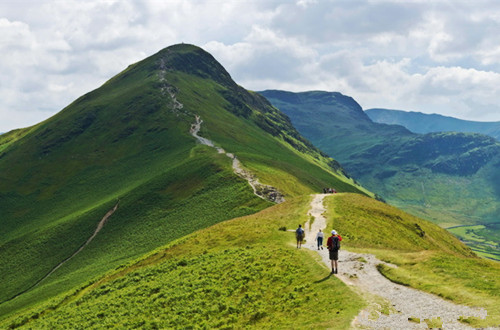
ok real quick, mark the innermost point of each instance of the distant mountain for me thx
(418, 122)
(449, 178)
(126, 148)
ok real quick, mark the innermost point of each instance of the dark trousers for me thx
(320, 241)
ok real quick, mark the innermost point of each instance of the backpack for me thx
(335, 244)
(299, 232)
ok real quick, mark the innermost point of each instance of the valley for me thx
(484, 239)
(448, 178)
(168, 197)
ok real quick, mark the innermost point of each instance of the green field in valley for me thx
(190, 245)
(483, 239)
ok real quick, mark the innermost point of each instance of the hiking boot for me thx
(336, 271)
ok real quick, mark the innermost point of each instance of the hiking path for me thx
(261, 190)
(100, 225)
(359, 271)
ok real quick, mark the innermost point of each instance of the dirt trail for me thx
(261, 190)
(360, 271)
(100, 225)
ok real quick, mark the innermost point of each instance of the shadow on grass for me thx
(323, 279)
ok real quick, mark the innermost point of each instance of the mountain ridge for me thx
(185, 217)
(419, 122)
(449, 178)
(130, 140)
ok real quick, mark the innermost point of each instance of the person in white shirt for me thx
(319, 239)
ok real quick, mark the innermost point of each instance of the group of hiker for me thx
(329, 191)
(332, 244)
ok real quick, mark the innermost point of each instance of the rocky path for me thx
(400, 303)
(261, 190)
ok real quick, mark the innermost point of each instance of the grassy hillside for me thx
(449, 178)
(428, 257)
(128, 143)
(228, 275)
(418, 122)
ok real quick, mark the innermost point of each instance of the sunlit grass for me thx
(435, 262)
(240, 273)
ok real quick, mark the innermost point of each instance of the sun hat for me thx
(334, 232)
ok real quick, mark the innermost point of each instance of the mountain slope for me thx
(128, 143)
(418, 122)
(449, 178)
(219, 277)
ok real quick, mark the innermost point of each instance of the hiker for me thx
(333, 245)
(299, 234)
(319, 238)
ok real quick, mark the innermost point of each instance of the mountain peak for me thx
(194, 60)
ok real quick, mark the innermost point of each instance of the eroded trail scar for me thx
(100, 225)
(261, 190)
(360, 271)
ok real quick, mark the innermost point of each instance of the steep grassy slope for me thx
(128, 142)
(7, 139)
(418, 122)
(237, 274)
(228, 275)
(449, 178)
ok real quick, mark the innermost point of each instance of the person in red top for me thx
(333, 245)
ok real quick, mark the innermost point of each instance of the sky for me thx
(427, 56)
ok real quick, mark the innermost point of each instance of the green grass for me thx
(483, 239)
(291, 172)
(448, 178)
(226, 276)
(11, 137)
(210, 193)
(427, 256)
(125, 142)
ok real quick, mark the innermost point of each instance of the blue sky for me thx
(429, 56)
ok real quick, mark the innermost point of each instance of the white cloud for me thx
(440, 56)
(306, 3)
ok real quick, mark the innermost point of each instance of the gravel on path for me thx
(404, 304)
